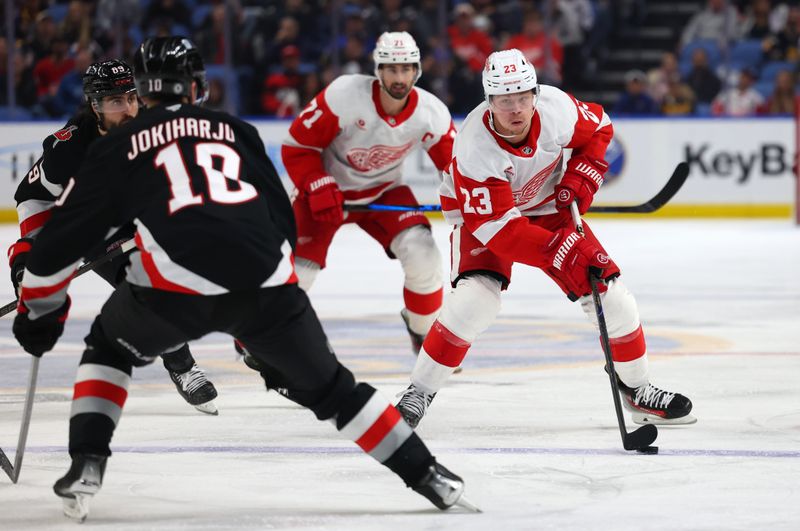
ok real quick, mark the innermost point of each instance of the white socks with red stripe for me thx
(628, 348)
(421, 260)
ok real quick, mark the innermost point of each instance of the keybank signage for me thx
(767, 160)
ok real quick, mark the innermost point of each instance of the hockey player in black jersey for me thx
(111, 101)
(216, 236)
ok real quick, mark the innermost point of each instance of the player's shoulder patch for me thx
(64, 135)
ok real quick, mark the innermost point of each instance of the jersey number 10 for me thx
(180, 183)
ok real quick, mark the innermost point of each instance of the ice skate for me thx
(443, 488)
(650, 405)
(417, 339)
(82, 481)
(413, 405)
(195, 388)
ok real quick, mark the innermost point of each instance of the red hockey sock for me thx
(629, 347)
(445, 347)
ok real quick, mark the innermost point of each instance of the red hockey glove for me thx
(572, 259)
(325, 200)
(17, 256)
(581, 180)
(38, 336)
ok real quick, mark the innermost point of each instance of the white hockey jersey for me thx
(345, 133)
(490, 183)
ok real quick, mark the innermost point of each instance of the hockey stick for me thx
(13, 471)
(88, 266)
(641, 438)
(669, 190)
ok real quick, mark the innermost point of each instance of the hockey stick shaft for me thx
(673, 185)
(641, 437)
(88, 266)
(13, 472)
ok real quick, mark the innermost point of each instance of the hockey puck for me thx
(648, 450)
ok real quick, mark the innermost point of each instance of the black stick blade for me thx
(641, 437)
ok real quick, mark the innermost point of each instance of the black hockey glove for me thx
(38, 336)
(17, 256)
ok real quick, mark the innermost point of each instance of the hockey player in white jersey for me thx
(347, 147)
(521, 158)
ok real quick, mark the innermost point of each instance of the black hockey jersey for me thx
(210, 211)
(62, 155)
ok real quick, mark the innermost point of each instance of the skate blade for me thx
(77, 508)
(464, 503)
(209, 408)
(644, 418)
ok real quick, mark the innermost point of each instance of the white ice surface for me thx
(529, 423)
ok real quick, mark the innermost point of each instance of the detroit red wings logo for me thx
(376, 157)
(534, 185)
(64, 134)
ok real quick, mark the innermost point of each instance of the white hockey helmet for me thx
(507, 72)
(396, 47)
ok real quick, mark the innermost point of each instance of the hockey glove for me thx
(38, 336)
(325, 200)
(17, 256)
(572, 259)
(580, 182)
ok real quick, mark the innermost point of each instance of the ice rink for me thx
(529, 423)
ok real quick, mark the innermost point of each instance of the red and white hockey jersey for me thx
(490, 185)
(345, 133)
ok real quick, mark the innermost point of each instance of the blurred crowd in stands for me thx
(734, 58)
(270, 57)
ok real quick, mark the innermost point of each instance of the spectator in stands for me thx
(542, 50)
(281, 93)
(70, 90)
(210, 38)
(169, 12)
(719, 21)
(679, 99)
(701, 79)
(741, 100)
(571, 19)
(757, 23)
(784, 45)
(44, 31)
(470, 44)
(24, 85)
(635, 100)
(288, 34)
(658, 78)
(782, 99)
(354, 57)
(49, 70)
(77, 24)
(26, 12)
(113, 17)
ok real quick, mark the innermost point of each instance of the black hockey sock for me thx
(178, 361)
(101, 388)
(375, 425)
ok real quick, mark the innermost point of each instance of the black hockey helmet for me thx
(107, 78)
(166, 67)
